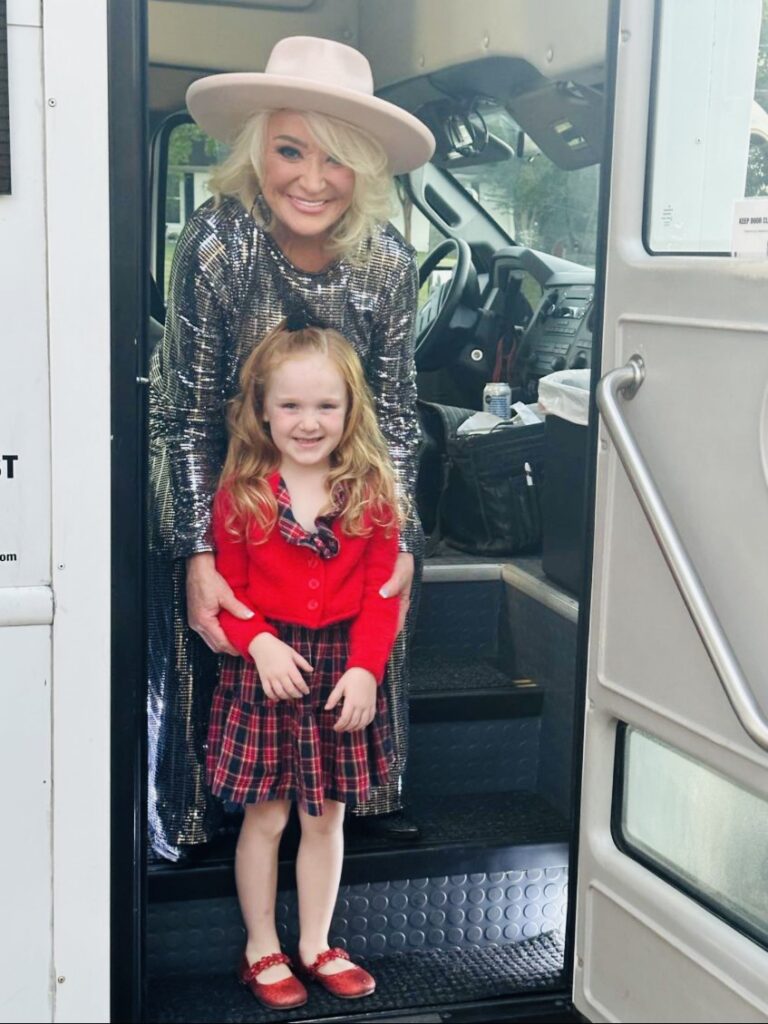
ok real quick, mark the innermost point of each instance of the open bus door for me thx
(672, 905)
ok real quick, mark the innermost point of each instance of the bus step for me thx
(459, 616)
(421, 981)
(441, 673)
(467, 688)
(474, 757)
(459, 834)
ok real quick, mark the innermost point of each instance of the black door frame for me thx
(127, 76)
(582, 643)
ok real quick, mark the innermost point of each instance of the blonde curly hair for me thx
(361, 482)
(240, 175)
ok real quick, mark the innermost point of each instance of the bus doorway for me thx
(471, 917)
(471, 912)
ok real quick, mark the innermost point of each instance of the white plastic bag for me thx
(528, 414)
(566, 394)
(480, 423)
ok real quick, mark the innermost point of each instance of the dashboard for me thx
(555, 334)
(528, 315)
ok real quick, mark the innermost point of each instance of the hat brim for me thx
(221, 104)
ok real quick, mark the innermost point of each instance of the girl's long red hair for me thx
(361, 482)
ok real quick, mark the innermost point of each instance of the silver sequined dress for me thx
(230, 284)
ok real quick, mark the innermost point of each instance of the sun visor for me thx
(565, 120)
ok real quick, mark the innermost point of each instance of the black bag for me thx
(489, 502)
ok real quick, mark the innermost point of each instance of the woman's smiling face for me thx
(307, 191)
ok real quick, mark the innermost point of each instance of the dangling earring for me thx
(261, 212)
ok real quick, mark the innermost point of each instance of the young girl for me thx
(305, 528)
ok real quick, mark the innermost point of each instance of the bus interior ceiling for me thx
(478, 902)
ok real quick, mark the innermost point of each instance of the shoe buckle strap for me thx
(323, 958)
(270, 960)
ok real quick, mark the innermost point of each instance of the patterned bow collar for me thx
(323, 541)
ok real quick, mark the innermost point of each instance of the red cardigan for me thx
(290, 583)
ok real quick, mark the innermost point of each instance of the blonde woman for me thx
(297, 224)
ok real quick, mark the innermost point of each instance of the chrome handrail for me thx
(626, 381)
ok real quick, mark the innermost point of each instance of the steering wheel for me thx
(436, 313)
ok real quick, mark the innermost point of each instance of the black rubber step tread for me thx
(444, 554)
(511, 819)
(458, 835)
(462, 687)
(432, 672)
(550, 1008)
(404, 981)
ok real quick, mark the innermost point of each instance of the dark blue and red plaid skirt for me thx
(260, 750)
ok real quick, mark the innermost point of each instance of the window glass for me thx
(710, 122)
(540, 205)
(699, 828)
(191, 155)
(757, 164)
(413, 225)
(422, 234)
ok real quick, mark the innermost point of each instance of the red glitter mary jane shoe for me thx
(278, 995)
(350, 984)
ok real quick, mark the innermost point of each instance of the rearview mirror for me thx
(462, 135)
(493, 151)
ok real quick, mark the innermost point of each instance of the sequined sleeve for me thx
(189, 403)
(392, 377)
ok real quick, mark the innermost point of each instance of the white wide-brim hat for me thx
(306, 73)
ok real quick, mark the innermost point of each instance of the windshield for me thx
(538, 204)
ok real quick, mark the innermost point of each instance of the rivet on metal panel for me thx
(486, 42)
(550, 55)
(51, 102)
(61, 979)
(626, 35)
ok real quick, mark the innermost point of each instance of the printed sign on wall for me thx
(25, 444)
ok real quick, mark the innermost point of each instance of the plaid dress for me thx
(260, 750)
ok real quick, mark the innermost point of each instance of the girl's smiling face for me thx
(307, 191)
(305, 405)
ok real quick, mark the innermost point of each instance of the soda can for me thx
(497, 399)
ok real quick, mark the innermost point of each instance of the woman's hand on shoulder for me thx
(207, 593)
(278, 665)
(357, 688)
(399, 585)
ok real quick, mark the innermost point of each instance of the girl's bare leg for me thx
(256, 878)
(318, 872)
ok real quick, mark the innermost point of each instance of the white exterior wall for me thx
(54, 518)
(26, 942)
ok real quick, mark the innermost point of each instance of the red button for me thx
(313, 584)
(313, 605)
